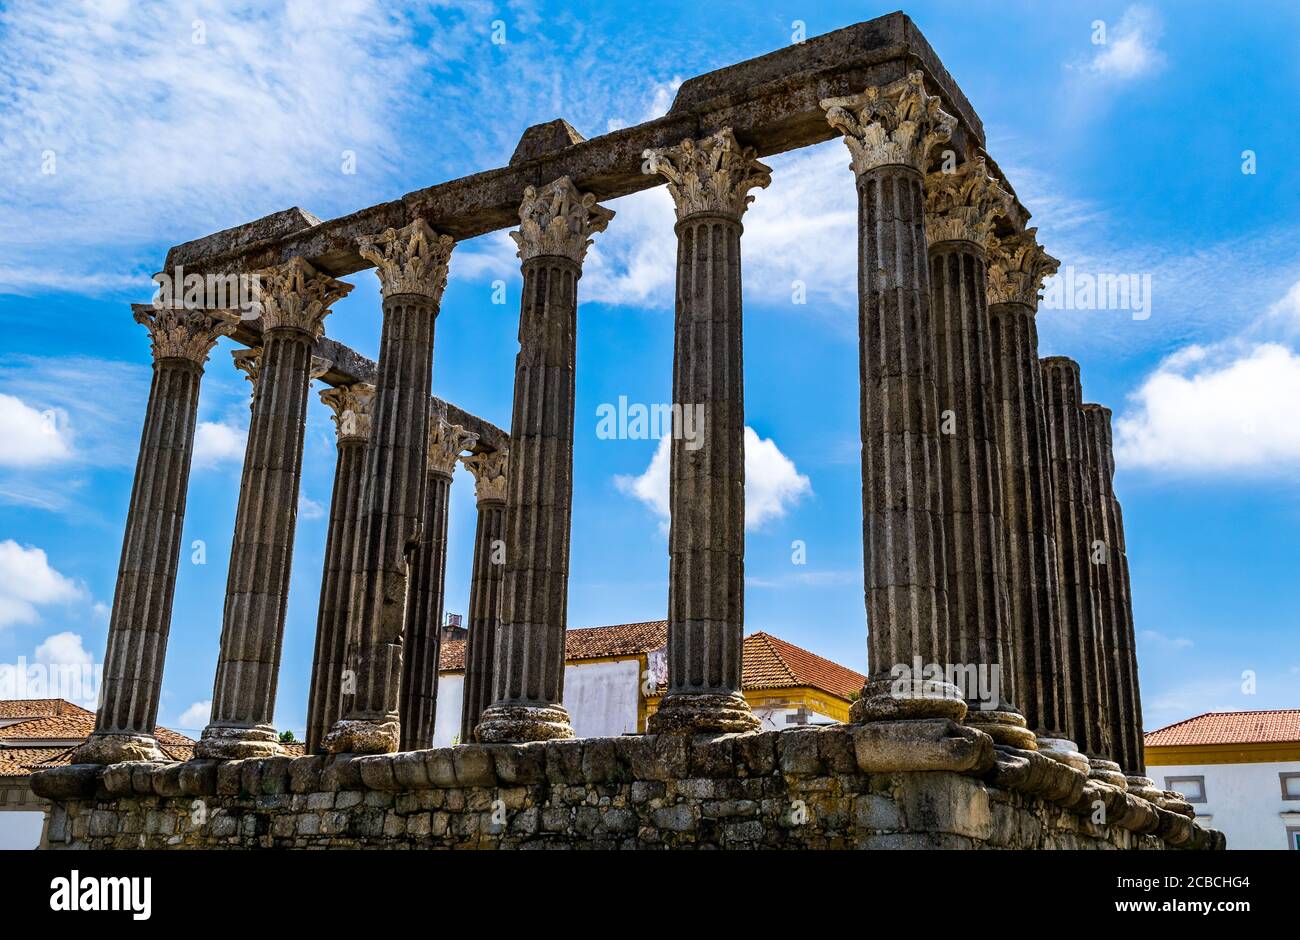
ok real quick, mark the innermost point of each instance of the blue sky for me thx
(163, 122)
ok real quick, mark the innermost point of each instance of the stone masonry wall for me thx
(919, 784)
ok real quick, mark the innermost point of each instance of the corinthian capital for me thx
(896, 125)
(963, 205)
(489, 469)
(249, 362)
(409, 260)
(446, 441)
(295, 296)
(712, 176)
(1017, 266)
(177, 333)
(557, 220)
(352, 406)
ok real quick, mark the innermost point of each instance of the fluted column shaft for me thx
(411, 264)
(970, 474)
(1082, 663)
(424, 604)
(395, 472)
(146, 576)
(528, 662)
(1029, 514)
(486, 578)
(709, 180)
(261, 555)
(903, 537)
(330, 681)
(1123, 702)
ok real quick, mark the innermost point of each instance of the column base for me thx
(112, 748)
(517, 724)
(1145, 787)
(888, 699)
(1064, 751)
(364, 736)
(1004, 724)
(702, 713)
(238, 742)
(1107, 771)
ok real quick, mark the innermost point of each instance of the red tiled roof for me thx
(36, 707)
(68, 722)
(772, 663)
(769, 662)
(1261, 727)
(623, 639)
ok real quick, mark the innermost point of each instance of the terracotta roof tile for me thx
(624, 639)
(1259, 727)
(772, 663)
(69, 722)
(36, 707)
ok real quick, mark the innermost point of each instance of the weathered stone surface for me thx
(486, 577)
(528, 669)
(352, 406)
(929, 784)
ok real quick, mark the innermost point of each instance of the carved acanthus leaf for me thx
(352, 406)
(1017, 266)
(963, 205)
(446, 441)
(177, 333)
(295, 296)
(557, 220)
(489, 469)
(249, 362)
(409, 260)
(897, 125)
(711, 176)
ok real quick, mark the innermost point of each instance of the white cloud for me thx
(69, 668)
(1216, 410)
(1130, 48)
(27, 581)
(1161, 641)
(772, 482)
(196, 716)
(216, 443)
(32, 437)
(309, 509)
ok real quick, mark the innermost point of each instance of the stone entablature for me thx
(892, 785)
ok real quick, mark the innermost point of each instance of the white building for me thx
(1239, 770)
(614, 678)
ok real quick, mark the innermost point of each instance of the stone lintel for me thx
(771, 102)
(347, 367)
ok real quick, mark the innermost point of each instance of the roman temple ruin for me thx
(993, 540)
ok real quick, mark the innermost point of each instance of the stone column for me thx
(709, 181)
(1111, 568)
(961, 209)
(890, 132)
(151, 545)
(1084, 687)
(332, 676)
(1017, 266)
(412, 267)
(424, 596)
(556, 223)
(295, 300)
(489, 470)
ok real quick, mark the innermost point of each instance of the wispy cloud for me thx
(216, 443)
(1130, 47)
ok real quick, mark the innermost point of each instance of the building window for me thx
(1192, 788)
(1293, 838)
(1290, 786)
